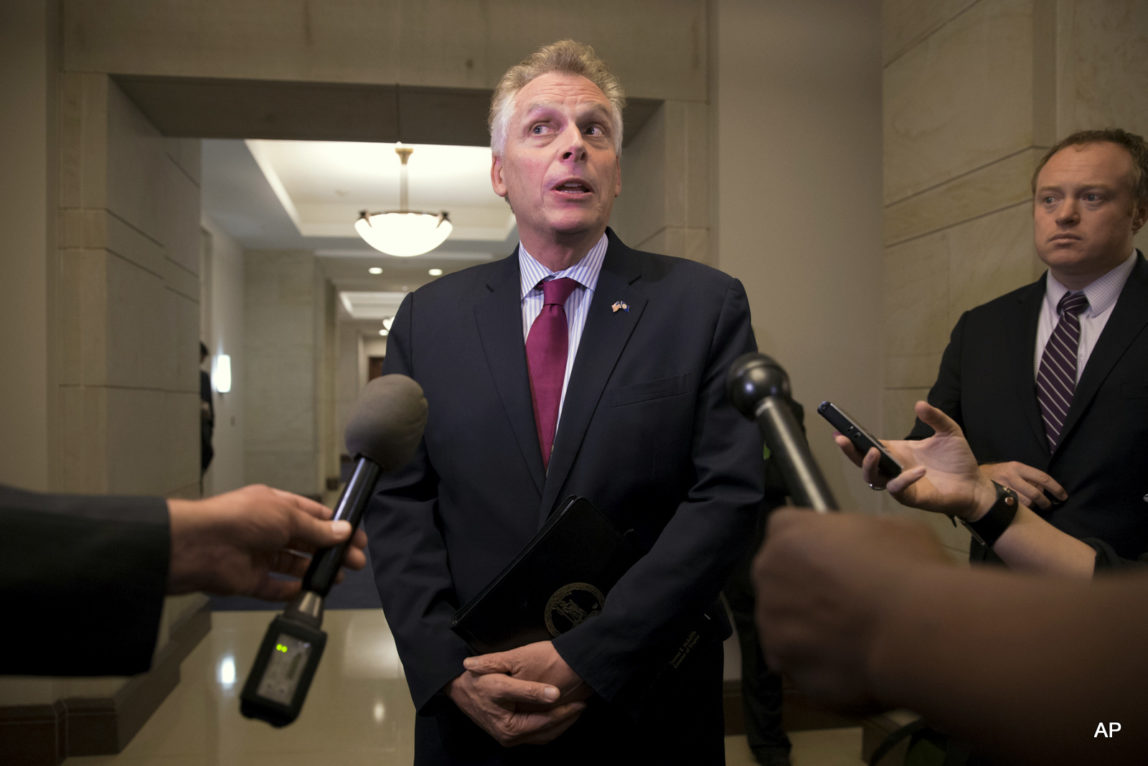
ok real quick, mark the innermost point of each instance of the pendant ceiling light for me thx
(403, 232)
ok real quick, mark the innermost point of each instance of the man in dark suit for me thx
(1084, 467)
(643, 430)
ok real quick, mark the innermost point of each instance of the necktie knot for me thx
(556, 291)
(1072, 303)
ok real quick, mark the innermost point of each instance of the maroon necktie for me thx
(546, 348)
(1056, 377)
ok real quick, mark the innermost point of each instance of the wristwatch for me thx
(988, 528)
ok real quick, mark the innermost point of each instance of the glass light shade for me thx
(403, 233)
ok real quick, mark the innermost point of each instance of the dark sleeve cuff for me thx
(1107, 559)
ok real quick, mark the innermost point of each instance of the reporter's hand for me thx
(231, 543)
(514, 711)
(1032, 485)
(824, 583)
(940, 473)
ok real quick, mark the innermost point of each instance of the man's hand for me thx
(527, 695)
(231, 543)
(823, 583)
(1031, 484)
(940, 473)
(539, 661)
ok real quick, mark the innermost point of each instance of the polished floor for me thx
(358, 711)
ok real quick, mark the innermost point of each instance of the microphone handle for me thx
(326, 562)
(788, 446)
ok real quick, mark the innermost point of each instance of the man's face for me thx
(559, 169)
(1084, 214)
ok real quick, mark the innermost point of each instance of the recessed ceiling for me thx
(305, 195)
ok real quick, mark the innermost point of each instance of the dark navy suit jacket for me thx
(646, 434)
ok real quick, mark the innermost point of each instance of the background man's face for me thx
(559, 170)
(1083, 212)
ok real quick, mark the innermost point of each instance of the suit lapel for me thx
(498, 316)
(603, 339)
(1129, 317)
(1021, 353)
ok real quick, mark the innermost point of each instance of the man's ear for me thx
(1139, 216)
(496, 181)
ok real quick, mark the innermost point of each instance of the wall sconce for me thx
(222, 375)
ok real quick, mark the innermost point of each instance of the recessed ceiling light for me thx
(375, 270)
(435, 272)
(384, 332)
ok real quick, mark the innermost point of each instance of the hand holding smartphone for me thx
(861, 439)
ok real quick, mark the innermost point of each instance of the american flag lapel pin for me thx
(619, 306)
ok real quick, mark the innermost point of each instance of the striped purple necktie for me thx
(1056, 378)
(547, 344)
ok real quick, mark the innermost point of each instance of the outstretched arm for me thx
(868, 612)
(941, 475)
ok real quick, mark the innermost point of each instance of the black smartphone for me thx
(862, 440)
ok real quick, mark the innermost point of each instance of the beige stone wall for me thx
(974, 93)
(280, 353)
(128, 310)
(795, 196)
(28, 61)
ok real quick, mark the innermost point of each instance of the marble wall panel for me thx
(1101, 54)
(289, 470)
(692, 244)
(83, 140)
(915, 303)
(130, 243)
(82, 448)
(1000, 184)
(179, 202)
(686, 163)
(141, 320)
(898, 407)
(908, 22)
(137, 168)
(937, 97)
(990, 256)
(912, 370)
(372, 41)
(280, 401)
(182, 340)
(147, 430)
(82, 326)
(641, 209)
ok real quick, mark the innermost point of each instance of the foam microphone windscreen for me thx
(387, 421)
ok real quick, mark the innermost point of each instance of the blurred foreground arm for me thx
(84, 576)
(867, 612)
(941, 474)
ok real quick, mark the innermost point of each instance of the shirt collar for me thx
(1101, 292)
(585, 272)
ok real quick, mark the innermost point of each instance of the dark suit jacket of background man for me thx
(987, 384)
(82, 579)
(646, 434)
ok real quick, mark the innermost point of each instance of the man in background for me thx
(1050, 382)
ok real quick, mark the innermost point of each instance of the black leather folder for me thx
(558, 580)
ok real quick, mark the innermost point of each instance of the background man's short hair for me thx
(1134, 144)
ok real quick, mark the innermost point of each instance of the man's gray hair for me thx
(566, 56)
